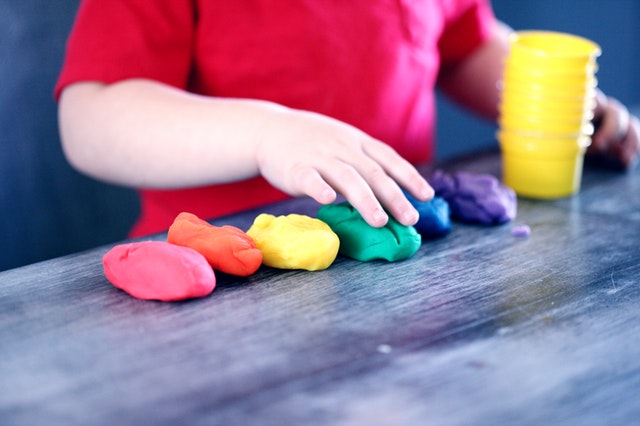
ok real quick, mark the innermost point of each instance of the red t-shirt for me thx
(370, 63)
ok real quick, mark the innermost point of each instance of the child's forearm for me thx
(144, 134)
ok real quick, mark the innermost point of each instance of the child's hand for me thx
(617, 132)
(304, 153)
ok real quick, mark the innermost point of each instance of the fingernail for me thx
(328, 195)
(427, 192)
(411, 216)
(380, 217)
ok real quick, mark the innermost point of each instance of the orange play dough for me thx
(227, 248)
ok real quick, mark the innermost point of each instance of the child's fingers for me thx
(617, 134)
(390, 195)
(352, 185)
(310, 182)
(613, 124)
(400, 170)
(379, 183)
(630, 148)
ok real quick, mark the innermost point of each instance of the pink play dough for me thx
(157, 270)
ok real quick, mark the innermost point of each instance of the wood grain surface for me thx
(479, 327)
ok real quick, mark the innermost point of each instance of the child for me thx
(214, 107)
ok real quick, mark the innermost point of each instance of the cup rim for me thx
(551, 94)
(541, 68)
(541, 115)
(565, 45)
(529, 121)
(546, 82)
(577, 102)
(545, 104)
(549, 141)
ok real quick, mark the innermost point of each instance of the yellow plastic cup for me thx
(536, 112)
(557, 74)
(551, 65)
(541, 143)
(540, 110)
(550, 93)
(567, 81)
(543, 168)
(545, 125)
(538, 88)
(547, 129)
(511, 110)
(550, 50)
(513, 99)
(539, 177)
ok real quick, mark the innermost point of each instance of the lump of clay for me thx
(294, 242)
(475, 198)
(156, 270)
(226, 248)
(521, 231)
(435, 216)
(361, 241)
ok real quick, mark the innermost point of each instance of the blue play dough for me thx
(435, 216)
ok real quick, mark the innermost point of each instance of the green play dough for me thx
(360, 241)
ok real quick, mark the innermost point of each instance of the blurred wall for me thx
(614, 24)
(46, 208)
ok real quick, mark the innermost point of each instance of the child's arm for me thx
(475, 81)
(145, 134)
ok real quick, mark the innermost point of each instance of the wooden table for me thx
(479, 327)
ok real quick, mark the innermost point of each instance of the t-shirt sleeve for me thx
(467, 28)
(113, 40)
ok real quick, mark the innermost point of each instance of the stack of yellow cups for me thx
(546, 108)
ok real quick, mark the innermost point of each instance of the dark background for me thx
(48, 210)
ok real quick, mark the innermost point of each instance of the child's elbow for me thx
(75, 124)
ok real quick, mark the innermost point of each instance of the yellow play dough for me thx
(294, 241)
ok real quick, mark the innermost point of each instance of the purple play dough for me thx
(521, 231)
(475, 198)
